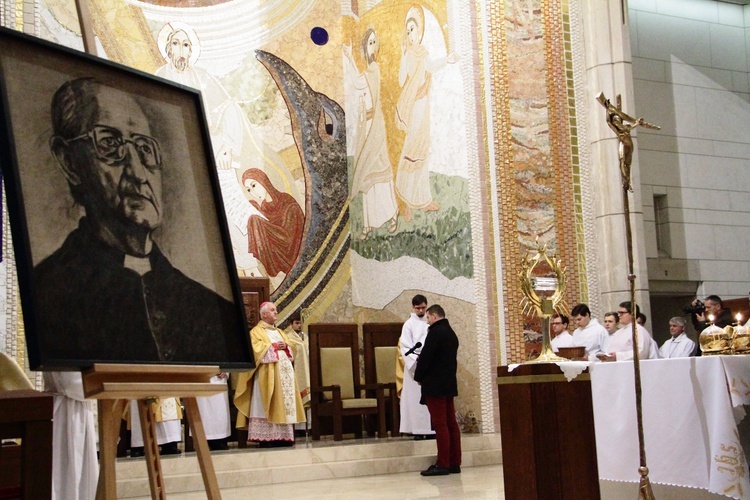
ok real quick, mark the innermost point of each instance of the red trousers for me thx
(447, 434)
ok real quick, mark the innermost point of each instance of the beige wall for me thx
(690, 74)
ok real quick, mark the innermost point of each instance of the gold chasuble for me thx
(273, 382)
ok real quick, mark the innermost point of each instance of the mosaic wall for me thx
(368, 153)
(536, 156)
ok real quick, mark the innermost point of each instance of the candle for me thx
(711, 318)
(739, 318)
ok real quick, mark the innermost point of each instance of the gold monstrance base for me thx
(547, 355)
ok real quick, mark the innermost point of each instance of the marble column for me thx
(609, 70)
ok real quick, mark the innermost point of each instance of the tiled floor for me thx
(473, 482)
(371, 468)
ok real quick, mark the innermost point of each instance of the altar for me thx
(693, 411)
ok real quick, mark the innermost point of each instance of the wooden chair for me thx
(336, 391)
(381, 355)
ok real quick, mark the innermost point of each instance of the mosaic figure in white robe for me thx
(373, 174)
(413, 115)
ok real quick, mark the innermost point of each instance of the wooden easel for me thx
(113, 385)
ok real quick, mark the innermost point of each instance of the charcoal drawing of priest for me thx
(109, 292)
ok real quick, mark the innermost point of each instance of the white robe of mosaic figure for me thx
(373, 175)
(413, 115)
(415, 417)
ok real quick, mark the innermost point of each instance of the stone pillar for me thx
(609, 70)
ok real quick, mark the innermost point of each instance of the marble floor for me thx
(374, 468)
(474, 482)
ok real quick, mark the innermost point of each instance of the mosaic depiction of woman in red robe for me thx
(276, 239)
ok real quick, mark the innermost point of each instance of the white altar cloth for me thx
(571, 369)
(691, 408)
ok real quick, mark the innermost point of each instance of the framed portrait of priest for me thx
(119, 232)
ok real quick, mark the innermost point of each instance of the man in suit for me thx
(436, 373)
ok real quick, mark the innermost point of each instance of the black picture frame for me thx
(69, 280)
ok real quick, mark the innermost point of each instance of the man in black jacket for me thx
(713, 307)
(436, 373)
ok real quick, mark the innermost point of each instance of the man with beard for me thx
(179, 45)
(227, 124)
(109, 293)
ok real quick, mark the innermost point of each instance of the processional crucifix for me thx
(622, 125)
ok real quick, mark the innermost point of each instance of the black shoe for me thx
(136, 451)
(454, 469)
(282, 444)
(218, 444)
(170, 449)
(434, 470)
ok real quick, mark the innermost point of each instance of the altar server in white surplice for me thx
(214, 412)
(678, 345)
(301, 364)
(75, 470)
(168, 427)
(415, 417)
(559, 332)
(590, 333)
(620, 345)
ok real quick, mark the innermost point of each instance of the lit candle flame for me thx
(711, 318)
(739, 318)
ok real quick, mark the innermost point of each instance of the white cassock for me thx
(594, 337)
(621, 343)
(75, 469)
(680, 347)
(214, 412)
(302, 372)
(415, 417)
(169, 430)
(564, 339)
